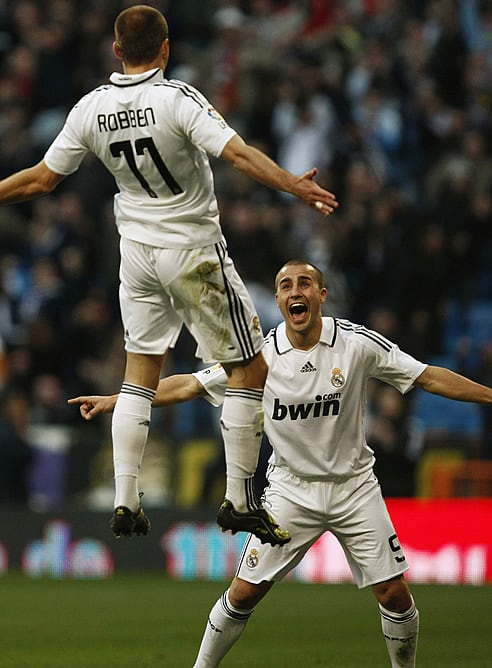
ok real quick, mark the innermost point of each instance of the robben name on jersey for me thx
(128, 118)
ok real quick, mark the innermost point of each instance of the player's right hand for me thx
(91, 406)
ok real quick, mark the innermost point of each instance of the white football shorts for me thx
(161, 289)
(354, 511)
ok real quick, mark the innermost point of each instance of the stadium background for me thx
(392, 101)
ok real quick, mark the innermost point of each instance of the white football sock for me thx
(130, 428)
(401, 632)
(224, 626)
(242, 430)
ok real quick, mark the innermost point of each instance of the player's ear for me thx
(117, 50)
(322, 295)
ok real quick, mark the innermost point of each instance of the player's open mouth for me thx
(298, 311)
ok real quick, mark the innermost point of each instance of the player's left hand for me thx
(313, 194)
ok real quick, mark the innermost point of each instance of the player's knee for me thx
(393, 595)
(246, 595)
(251, 374)
(258, 370)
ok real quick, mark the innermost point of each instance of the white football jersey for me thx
(315, 400)
(153, 135)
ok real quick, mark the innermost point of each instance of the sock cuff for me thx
(138, 390)
(399, 617)
(231, 611)
(245, 393)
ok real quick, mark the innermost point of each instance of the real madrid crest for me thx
(337, 377)
(252, 558)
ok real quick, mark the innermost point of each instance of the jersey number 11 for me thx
(125, 147)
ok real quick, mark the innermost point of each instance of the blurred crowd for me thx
(390, 99)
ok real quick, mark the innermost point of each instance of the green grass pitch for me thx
(149, 621)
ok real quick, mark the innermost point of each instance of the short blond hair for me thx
(139, 32)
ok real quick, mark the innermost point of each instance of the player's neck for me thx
(146, 67)
(304, 339)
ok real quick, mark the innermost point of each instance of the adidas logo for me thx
(307, 368)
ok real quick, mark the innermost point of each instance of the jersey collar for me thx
(119, 79)
(328, 335)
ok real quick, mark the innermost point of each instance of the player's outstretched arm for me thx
(171, 390)
(447, 383)
(176, 389)
(28, 183)
(260, 167)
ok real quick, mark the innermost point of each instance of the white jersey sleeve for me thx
(214, 381)
(67, 151)
(383, 359)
